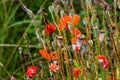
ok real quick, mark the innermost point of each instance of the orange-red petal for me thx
(75, 31)
(45, 54)
(54, 67)
(74, 40)
(76, 72)
(54, 56)
(76, 19)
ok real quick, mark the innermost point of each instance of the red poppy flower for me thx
(76, 19)
(54, 67)
(75, 31)
(50, 29)
(31, 72)
(76, 72)
(47, 55)
(103, 59)
(64, 22)
(67, 19)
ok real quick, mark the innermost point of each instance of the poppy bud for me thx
(20, 50)
(90, 42)
(85, 21)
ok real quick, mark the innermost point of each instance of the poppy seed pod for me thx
(113, 27)
(60, 41)
(80, 40)
(101, 35)
(65, 2)
(90, 54)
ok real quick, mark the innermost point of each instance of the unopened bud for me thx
(62, 13)
(20, 50)
(50, 8)
(85, 21)
(90, 42)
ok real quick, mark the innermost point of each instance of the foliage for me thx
(28, 27)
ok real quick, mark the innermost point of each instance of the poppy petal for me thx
(45, 54)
